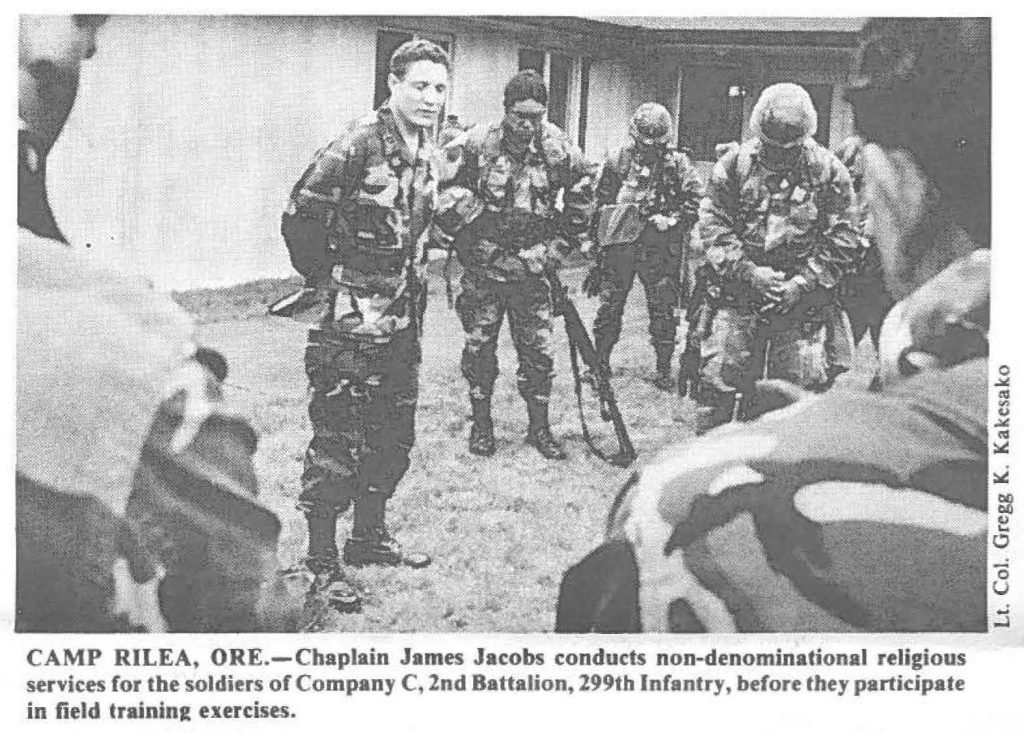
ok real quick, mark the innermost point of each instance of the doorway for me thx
(710, 109)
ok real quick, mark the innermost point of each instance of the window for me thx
(388, 42)
(530, 59)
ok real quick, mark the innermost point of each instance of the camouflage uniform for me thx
(504, 249)
(797, 220)
(804, 521)
(353, 224)
(671, 188)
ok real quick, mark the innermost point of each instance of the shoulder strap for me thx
(744, 163)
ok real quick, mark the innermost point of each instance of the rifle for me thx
(689, 360)
(755, 368)
(582, 347)
(769, 323)
(298, 302)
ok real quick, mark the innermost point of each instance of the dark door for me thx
(710, 109)
(821, 95)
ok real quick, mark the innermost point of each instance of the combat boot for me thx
(481, 433)
(539, 433)
(371, 543)
(717, 410)
(322, 552)
(321, 560)
(663, 366)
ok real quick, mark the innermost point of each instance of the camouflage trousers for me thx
(800, 351)
(363, 412)
(656, 259)
(482, 306)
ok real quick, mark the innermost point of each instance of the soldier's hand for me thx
(663, 223)
(558, 249)
(786, 295)
(766, 280)
(535, 258)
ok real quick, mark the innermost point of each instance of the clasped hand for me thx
(781, 293)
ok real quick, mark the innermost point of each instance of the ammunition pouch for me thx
(457, 207)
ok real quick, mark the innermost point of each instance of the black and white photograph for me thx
(505, 324)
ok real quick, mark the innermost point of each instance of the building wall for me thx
(184, 180)
(189, 132)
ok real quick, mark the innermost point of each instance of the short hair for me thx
(93, 21)
(925, 84)
(418, 50)
(525, 85)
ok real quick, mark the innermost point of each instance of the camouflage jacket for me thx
(520, 198)
(363, 204)
(767, 527)
(670, 187)
(801, 221)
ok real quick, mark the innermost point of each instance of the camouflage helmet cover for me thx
(651, 124)
(784, 116)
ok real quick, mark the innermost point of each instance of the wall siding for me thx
(190, 131)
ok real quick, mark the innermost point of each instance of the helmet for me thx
(784, 116)
(651, 124)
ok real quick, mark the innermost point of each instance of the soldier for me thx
(812, 519)
(650, 193)
(128, 467)
(778, 235)
(353, 226)
(515, 169)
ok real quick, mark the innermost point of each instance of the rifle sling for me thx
(616, 459)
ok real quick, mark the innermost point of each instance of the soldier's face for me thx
(419, 96)
(650, 151)
(523, 122)
(778, 157)
(50, 53)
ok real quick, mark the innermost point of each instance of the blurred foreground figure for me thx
(135, 491)
(848, 511)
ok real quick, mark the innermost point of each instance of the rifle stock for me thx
(580, 343)
(297, 302)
